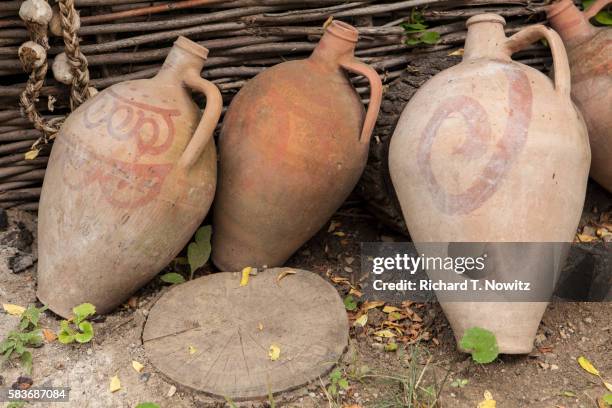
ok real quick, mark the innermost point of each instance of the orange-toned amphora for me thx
(492, 150)
(131, 176)
(294, 143)
(589, 50)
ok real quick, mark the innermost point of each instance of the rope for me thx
(38, 65)
(80, 73)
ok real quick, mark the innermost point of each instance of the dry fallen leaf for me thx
(340, 280)
(192, 350)
(361, 320)
(587, 366)
(586, 238)
(385, 333)
(355, 292)
(274, 352)
(458, 53)
(283, 274)
(488, 402)
(389, 309)
(14, 310)
(171, 391)
(115, 384)
(608, 386)
(137, 366)
(333, 225)
(372, 305)
(244, 280)
(49, 335)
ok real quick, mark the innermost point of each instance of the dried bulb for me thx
(32, 55)
(62, 70)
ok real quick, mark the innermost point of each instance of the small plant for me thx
(198, 251)
(15, 343)
(350, 303)
(337, 381)
(416, 31)
(81, 330)
(481, 343)
(459, 383)
(31, 316)
(147, 405)
(16, 404)
(27, 335)
(172, 277)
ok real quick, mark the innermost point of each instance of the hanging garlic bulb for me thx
(32, 55)
(36, 14)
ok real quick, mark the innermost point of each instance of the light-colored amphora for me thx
(589, 50)
(293, 145)
(131, 176)
(492, 150)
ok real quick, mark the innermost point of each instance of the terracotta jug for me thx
(294, 143)
(131, 176)
(492, 150)
(589, 50)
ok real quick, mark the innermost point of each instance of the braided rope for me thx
(34, 84)
(80, 73)
(28, 100)
(38, 70)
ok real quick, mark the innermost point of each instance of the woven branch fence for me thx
(129, 39)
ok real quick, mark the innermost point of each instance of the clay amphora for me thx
(589, 50)
(294, 143)
(492, 150)
(131, 176)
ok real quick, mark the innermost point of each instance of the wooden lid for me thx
(213, 335)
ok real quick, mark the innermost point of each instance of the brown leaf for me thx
(49, 335)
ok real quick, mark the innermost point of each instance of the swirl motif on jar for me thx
(502, 156)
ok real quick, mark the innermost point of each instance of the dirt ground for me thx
(429, 366)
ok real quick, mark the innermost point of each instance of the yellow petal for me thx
(458, 52)
(274, 352)
(32, 154)
(244, 280)
(384, 333)
(14, 310)
(283, 274)
(192, 350)
(587, 366)
(137, 366)
(362, 320)
(115, 384)
(488, 402)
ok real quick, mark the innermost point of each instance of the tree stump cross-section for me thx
(214, 336)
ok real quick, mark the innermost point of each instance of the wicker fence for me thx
(129, 39)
